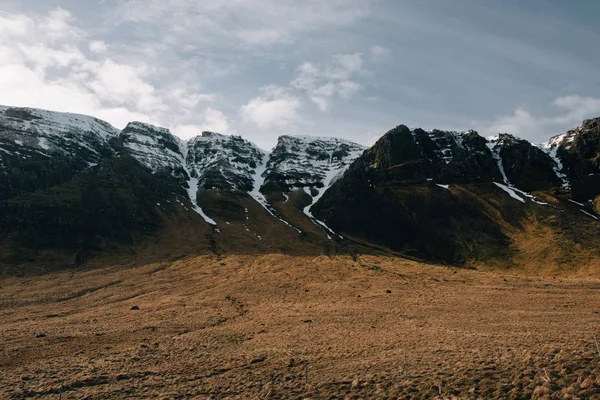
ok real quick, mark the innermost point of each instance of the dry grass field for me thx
(275, 326)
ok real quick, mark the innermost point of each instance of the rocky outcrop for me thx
(442, 156)
(577, 154)
(156, 148)
(224, 162)
(523, 165)
(449, 196)
(306, 162)
(39, 149)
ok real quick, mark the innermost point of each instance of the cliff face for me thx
(457, 197)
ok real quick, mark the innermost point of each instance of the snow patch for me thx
(192, 192)
(510, 191)
(587, 213)
(43, 143)
(259, 197)
(551, 148)
(491, 144)
(193, 189)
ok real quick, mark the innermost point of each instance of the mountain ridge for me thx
(306, 195)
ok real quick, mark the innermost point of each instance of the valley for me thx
(433, 264)
(319, 327)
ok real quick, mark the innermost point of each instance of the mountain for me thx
(577, 157)
(76, 191)
(74, 186)
(51, 147)
(458, 198)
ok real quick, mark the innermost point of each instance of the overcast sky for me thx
(346, 68)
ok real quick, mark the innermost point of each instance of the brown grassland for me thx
(277, 326)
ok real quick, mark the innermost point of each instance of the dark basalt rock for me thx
(108, 203)
(526, 166)
(415, 156)
(21, 114)
(579, 152)
(385, 196)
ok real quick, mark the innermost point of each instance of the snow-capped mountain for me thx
(452, 195)
(576, 151)
(308, 163)
(224, 162)
(524, 165)
(74, 182)
(156, 148)
(46, 132)
(577, 156)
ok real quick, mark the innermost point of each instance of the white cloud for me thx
(323, 81)
(321, 102)
(189, 100)
(212, 120)
(519, 123)
(570, 111)
(41, 65)
(348, 89)
(274, 108)
(344, 66)
(578, 108)
(215, 120)
(97, 46)
(187, 131)
(380, 53)
(119, 84)
(260, 36)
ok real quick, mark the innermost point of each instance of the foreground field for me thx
(297, 327)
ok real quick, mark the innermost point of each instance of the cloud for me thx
(260, 36)
(577, 107)
(248, 22)
(97, 46)
(274, 108)
(215, 120)
(189, 100)
(321, 102)
(521, 122)
(42, 65)
(119, 84)
(380, 53)
(344, 66)
(570, 111)
(212, 120)
(322, 82)
(347, 89)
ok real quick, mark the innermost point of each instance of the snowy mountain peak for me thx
(55, 123)
(442, 145)
(45, 132)
(148, 128)
(575, 153)
(223, 162)
(154, 147)
(214, 135)
(299, 162)
(503, 139)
